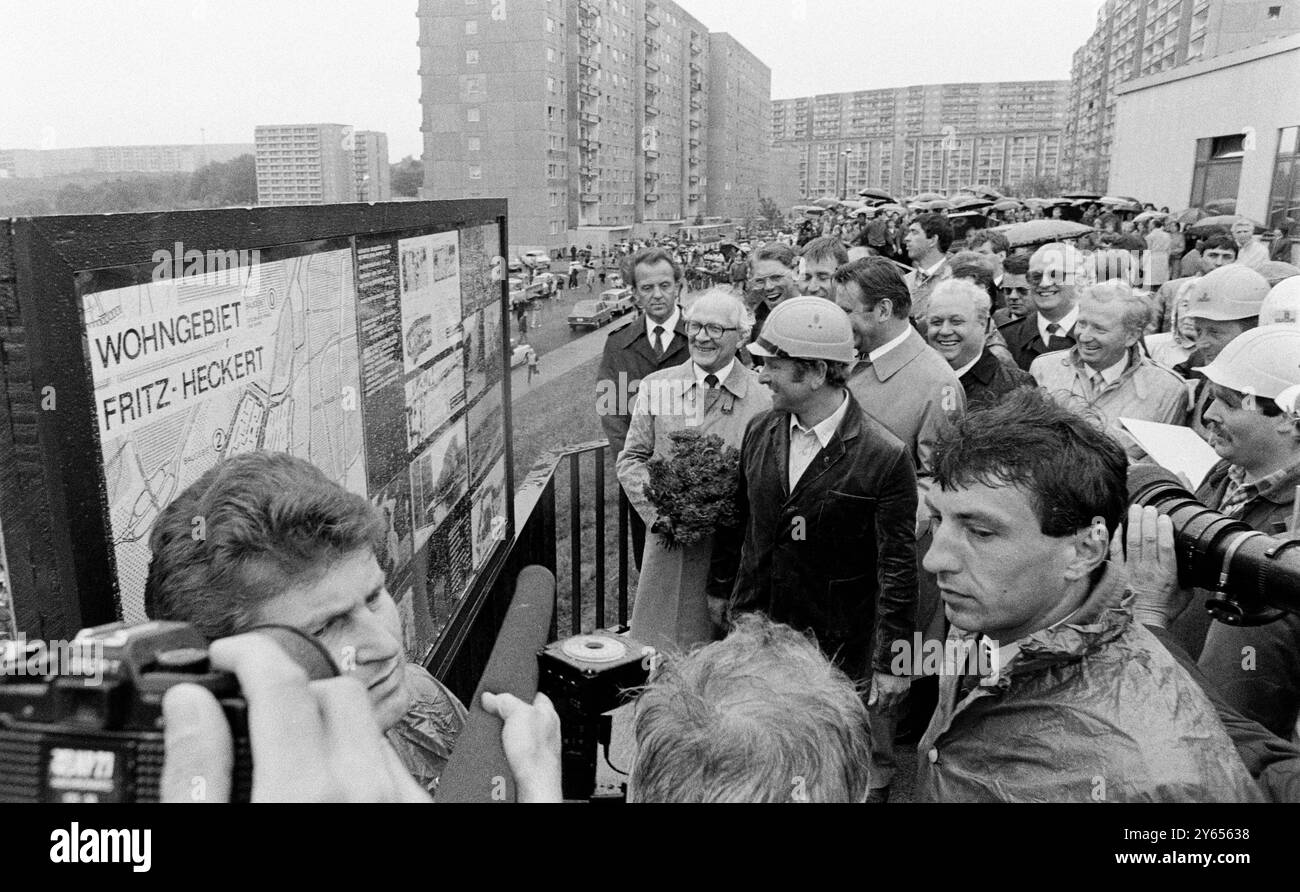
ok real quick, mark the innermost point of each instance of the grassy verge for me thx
(557, 414)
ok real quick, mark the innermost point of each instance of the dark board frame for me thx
(53, 513)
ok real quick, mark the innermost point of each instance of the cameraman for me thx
(266, 538)
(1257, 669)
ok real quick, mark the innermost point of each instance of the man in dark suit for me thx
(1057, 273)
(654, 341)
(828, 501)
(957, 325)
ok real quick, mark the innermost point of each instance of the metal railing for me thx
(592, 601)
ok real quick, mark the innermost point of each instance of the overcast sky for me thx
(121, 72)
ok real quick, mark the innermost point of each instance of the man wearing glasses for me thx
(714, 394)
(1014, 289)
(771, 281)
(1056, 275)
(654, 341)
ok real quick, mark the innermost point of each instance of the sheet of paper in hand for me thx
(1178, 449)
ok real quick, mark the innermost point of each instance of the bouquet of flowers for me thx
(694, 490)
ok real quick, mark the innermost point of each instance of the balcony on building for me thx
(587, 171)
(651, 45)
(651, 197)
(651, 111)
(589, 118)
(694, 142)
(696, 104)
(589, 197)
(695, 196)
(587, 9)
(694, 161)
(651, 88)
(651, 154)
(587, 88)
(588, 63)
(651, 64)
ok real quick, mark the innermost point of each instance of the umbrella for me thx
(928, 196)
(826, 202)
(1088, 196)
(1189, 216)
(814, 211)
(1149, 215)
(878, 194)
(936, 204)
(1047, 202)
(1222, 221)
(1121, 203)
(970, 203)
(983, 192)
(1221, 206)
(1007, 204)
(853, 204)
(1041, 232)
(893, 208)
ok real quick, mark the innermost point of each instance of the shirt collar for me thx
(1113, 372)
(877, 354)
(968, 366)
(721, 375)
(933, 271)
(670, 325)
(827, 428)
(1066, 324)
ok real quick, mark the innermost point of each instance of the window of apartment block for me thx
(1217, 174)
(475, 172)
(1284, 198)
(471, 57)
(471, 26)
(474, 144)
(472, 115)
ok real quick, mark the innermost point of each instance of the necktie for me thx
(659, 340)
(1053, 330)
(711, 398)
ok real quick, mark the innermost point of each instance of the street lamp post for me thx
(844, 190)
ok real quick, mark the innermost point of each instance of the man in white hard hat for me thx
(828, 497)
(1257, 669)
(1106, 373)
(1282, 306)
(1223, 305)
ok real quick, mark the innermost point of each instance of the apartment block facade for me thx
(929, 138)
(1138, 38)
(739, 117)
(373, 175)
(586, 115)
(37, 163)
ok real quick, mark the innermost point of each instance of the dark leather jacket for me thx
(838, 555)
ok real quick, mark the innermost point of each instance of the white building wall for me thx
(1159, 119)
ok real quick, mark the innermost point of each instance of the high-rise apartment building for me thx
(937, 137)
(305, 164)
(372, 172)
(739, 116)
(1135, 38)
(321, 164)
(586, 115)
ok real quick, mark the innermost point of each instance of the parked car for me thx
(549, 283)
(590, 314)
(537, 259)
(621, 300)
(614, 280)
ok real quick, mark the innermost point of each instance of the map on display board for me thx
(375, 353)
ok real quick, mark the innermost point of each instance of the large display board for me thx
(367, 339)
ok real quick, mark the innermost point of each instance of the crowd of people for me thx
(931, 459)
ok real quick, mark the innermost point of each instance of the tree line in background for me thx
(221, 184)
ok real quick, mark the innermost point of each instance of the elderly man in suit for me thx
(654, 341)
(1057, 273)
(830, 500)
(713, 393)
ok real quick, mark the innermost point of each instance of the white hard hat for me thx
(1261, 362)
(807, 328)
(1282, 304)
(1227, 293)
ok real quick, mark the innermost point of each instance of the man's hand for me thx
(1152, 567)
(887, 690)
(531, 739)
(718, 612)
(312, 741)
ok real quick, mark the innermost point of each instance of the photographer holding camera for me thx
(266, 538)
(1256, 668)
